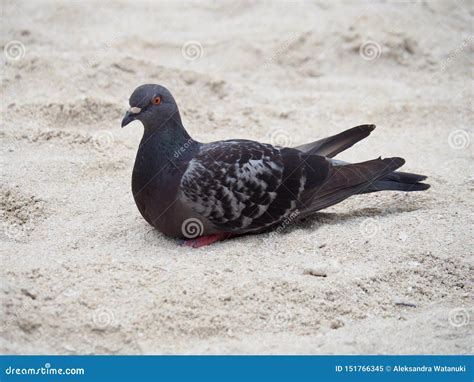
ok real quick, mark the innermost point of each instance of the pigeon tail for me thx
(346, 180)
(399, 181)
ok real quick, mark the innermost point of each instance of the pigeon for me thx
(201, 193)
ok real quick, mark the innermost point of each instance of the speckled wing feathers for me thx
(244, 186)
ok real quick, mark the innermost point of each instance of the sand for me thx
(83, 273)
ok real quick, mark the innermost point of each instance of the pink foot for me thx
(202, 241)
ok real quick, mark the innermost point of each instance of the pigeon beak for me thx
(130, 115)
(127, 119)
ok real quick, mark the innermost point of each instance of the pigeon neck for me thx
(170, 139)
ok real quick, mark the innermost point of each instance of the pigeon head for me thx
(153, 105)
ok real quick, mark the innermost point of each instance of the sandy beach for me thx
(83, 273)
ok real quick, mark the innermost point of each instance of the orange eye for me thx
(156, 100)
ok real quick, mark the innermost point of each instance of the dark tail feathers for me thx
(399, 181)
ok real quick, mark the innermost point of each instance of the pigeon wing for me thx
(245, 186)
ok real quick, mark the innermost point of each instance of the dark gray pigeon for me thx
(205, 192)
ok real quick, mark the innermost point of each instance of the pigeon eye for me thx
(156, 100)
